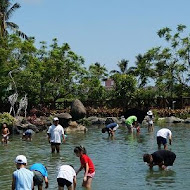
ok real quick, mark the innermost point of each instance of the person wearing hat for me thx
(55, 133)
(22, 178)
(150, 121)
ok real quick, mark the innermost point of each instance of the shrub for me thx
(7, 118)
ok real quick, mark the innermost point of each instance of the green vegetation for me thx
(7, 118)
(52, 73)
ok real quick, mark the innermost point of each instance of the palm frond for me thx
(123, 64)
(12, 25)
(21, 34)
(131, 69)
(114, 71)
(11, 10)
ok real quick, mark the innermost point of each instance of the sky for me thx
(104, 31)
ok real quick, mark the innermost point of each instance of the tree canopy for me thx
(55, 72)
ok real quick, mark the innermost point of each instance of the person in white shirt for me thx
(162, 136)
(150, 121)
(55, 135)
(66, 176)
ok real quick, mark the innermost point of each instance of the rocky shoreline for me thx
(42, 123)
(77, 120)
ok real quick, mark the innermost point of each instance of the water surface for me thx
(118, 161)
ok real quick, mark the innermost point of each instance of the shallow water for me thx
(118, 161)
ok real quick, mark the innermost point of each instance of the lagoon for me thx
(118, 161)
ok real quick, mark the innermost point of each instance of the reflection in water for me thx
(161, 178)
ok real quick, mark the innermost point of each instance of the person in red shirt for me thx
(87, 164)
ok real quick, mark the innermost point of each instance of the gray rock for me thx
(63, 116)
(28, 126)
(187, 120)
(116, 120)
(76, 128)
(122, 120)
(93, 120)
(173, 119)
(78, 110)
(64, 119)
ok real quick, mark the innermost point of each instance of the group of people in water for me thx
(35, 176)
(26, 179)
(162, 158)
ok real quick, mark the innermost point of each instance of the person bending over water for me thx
(162, 135)
(131, 123)
(110, 129)
(40, 174)
(5, 133)
(161, 158)
(27, 135)
(66, 176)
(87, 165)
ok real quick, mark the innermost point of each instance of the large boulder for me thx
(78, 110)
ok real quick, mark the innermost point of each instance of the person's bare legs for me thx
(70, 187)
(150, 128)
(52, 148)
(4, 140)
(130, 129)
(57, 148)
(165, 147)
(87, 184)
(40, 187)
(60, 188)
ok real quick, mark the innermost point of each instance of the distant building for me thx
(109, 84)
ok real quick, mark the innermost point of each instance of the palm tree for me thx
(6, 11)
(98, 71)
(123, 66)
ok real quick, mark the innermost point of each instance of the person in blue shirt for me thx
(110, 129)
(27, 135)
(40, 173)
(22, 177)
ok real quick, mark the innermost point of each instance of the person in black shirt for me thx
(162, 158)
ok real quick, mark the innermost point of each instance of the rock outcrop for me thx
(75, 127)
(78, 110)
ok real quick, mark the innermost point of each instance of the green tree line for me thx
(52, 73)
